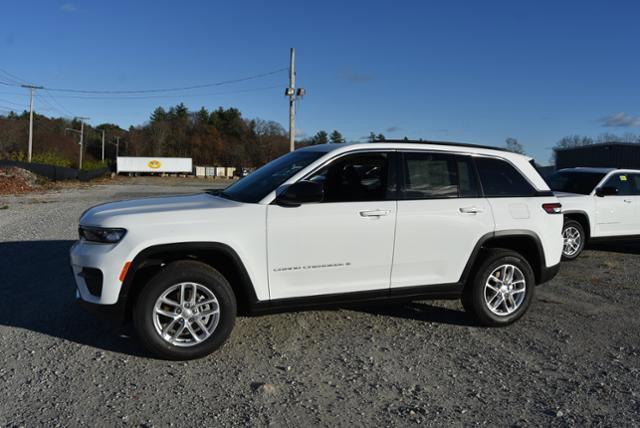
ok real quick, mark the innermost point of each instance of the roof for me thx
(587, 169)
(408, 145)
(588, 146)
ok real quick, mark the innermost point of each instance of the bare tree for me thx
(514, 146)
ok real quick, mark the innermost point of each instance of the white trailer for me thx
(154, 165)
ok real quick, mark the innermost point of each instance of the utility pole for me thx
(32, 89)
(82, 119)
(103, 145)
(81, 132)
(292, 93)
(117, 147)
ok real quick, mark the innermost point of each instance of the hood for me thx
(112, 213)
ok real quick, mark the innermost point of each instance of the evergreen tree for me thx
(336, 137)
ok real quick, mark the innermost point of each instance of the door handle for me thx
(374, 213)
(628, 201)
(471, 210)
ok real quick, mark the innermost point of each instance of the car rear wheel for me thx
(186, 311)
(501, 290)
(573, 240)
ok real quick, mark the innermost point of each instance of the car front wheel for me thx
(501, 290)
(186, 311)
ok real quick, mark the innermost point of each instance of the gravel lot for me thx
(573, 360)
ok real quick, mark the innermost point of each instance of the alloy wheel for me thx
(572, 241)
(504, 290)
(186, 314)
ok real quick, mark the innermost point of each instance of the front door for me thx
(343, 244)
(616, 214)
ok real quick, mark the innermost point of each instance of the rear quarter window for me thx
(500, 179)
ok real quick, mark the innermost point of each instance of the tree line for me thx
(218, 137)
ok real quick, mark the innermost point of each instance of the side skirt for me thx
(613, 238)
(444, 291)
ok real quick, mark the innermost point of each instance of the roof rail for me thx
(443, 143)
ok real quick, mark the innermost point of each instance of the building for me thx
(605, 155)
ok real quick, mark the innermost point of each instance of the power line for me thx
(55, 101)
(52, 107)
(183, 88)
(11, 102)
(13, 77)
(146, 97)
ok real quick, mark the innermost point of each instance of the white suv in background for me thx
(598, 203)
(324, 225)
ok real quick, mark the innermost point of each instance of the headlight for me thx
(105, 235)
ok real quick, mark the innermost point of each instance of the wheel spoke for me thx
(168, 301)
(207, 302)
(166, 313)
(495, 279)
(179, 331)
(182, 291)
(194, 293)
(192, 331)
(492, 288)
(202, 326)
(207, 312)
(168, 327)
(498, 302)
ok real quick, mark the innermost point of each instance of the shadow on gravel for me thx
(420, 311)
(624, 247)
(38, 294)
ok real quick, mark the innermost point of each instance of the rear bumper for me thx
(548, 273)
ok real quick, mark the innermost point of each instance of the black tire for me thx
(577, 227)
(176, 273)
(473, 298)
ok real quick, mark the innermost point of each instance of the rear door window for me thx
(500, 179)
(438, 176)
(636, 184)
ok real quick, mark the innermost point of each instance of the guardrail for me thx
(56, 173)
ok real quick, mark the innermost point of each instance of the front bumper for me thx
(109, 260)
(111, 313)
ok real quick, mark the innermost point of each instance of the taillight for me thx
(554, 208)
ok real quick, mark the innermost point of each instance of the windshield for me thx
(574, 182)
(255, 186)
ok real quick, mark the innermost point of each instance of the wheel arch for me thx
(524, 242)
(581, 217)
(152, 260)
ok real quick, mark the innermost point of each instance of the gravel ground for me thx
(573, 360)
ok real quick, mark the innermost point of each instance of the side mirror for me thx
(606, 191)
(302, 192)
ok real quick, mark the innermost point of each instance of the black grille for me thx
(93, 279)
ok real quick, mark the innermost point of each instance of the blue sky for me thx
(473, 71)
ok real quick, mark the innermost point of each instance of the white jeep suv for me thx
(598, 203)
(324, 225)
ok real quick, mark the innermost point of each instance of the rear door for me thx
(616, 215)
(636, 202)
(441, 217)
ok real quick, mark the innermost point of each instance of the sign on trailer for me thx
(148, 164)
